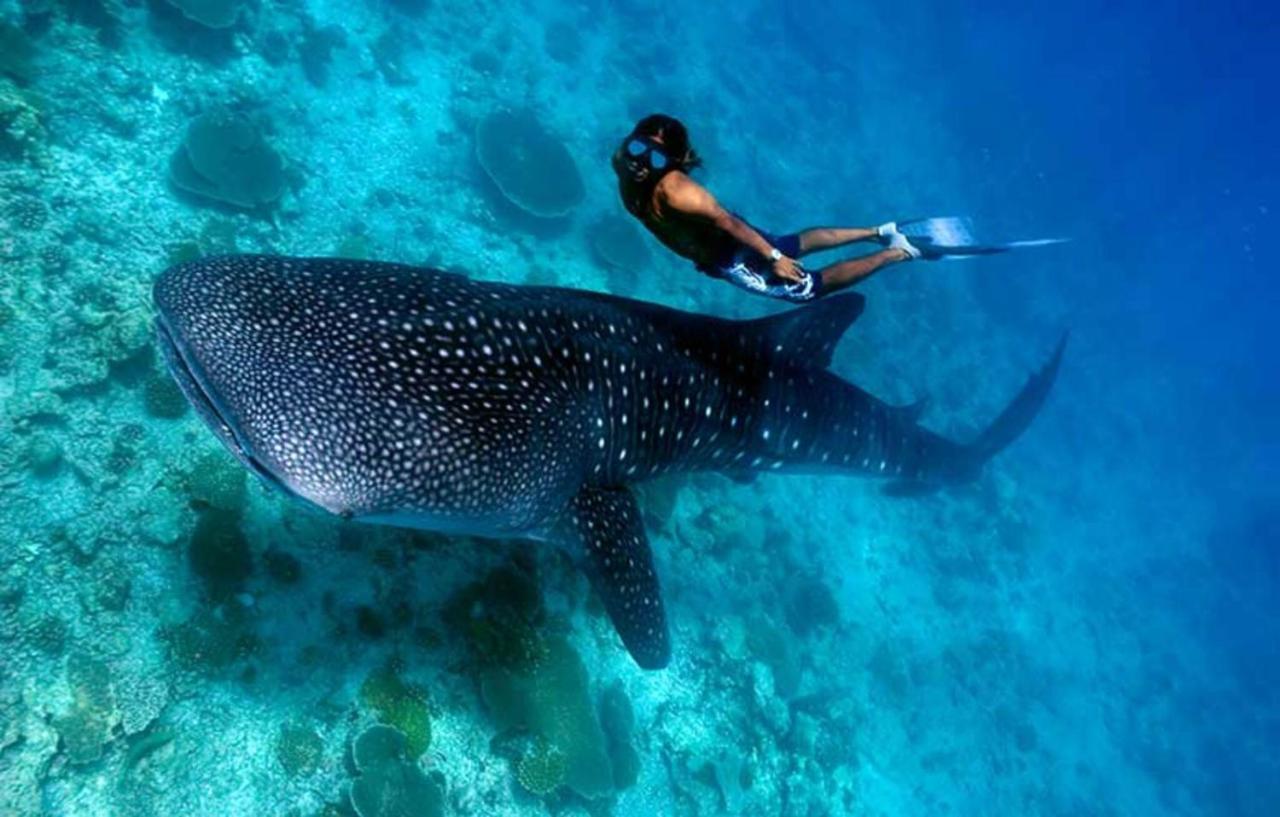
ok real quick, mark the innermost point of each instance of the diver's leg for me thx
(815, 239)
(847, 273)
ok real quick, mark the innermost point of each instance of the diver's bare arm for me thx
(684, 194)
(743, 232)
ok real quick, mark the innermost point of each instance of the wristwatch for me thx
(775, 254)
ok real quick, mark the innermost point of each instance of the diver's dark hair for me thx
(675, 139)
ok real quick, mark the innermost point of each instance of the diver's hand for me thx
(789, 269)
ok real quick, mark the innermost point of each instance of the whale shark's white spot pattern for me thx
(422, 398)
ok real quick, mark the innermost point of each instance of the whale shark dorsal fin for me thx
(807, 336)
(604, 526)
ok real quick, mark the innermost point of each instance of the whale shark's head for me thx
(216, 324)
(259, 353)
(376, 391)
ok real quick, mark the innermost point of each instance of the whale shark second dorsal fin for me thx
(807, 336)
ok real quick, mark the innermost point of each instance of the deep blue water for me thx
(1089, 628)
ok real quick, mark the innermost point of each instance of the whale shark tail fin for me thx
(957, 463)
(1015, 418)
(806, 336)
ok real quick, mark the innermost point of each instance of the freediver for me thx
(653, 165)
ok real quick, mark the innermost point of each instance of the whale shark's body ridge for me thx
(410, 396)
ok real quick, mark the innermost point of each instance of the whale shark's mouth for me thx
(194, 387)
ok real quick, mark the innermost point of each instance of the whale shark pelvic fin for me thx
(604, 527)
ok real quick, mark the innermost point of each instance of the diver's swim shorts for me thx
(751, 271)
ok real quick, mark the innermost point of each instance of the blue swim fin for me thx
(952, 237)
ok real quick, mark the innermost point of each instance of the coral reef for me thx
(388, 52)
(161, 397)
(551, 699)
(390, 785)
(284, 568)
(562, 41)
(618, 721)
(499, 615)
(86, 727)
(144, 744)
(401, 704)
(209, 13)
(21, 133)
(44, 455)
(219, 554)
(224, 158)
(17, 54)
(410, 7)
(315, 50)
(809, 605)
(215, 480)
(542, 769)
(211, 639)
(531, 167)
(27, 213)
(616, 243)
(106, 17)
(299, 749)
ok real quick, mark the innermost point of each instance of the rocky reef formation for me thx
(531, 167)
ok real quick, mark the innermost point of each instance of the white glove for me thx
(886, 231)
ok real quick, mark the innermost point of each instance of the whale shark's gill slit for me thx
(186, 374)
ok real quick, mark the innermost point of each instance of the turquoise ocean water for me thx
(1088, 629)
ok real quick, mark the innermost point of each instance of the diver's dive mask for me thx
(644, 153)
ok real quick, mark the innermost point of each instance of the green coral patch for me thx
(162, 398)
(86, 726)
(21, 131)
(299, 749)
(498, 616)
(219, 554)
(390, 785)
(216, 480)
(400, 704)
(618, 720)
(16, 53)
(210, 639)
(551, 699)
(542, 770)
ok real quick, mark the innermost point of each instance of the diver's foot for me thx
(886, 231)
(898, 241)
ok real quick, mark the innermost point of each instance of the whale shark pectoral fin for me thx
(807, 336)
(605, 525)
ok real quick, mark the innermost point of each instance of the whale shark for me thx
(407, 396)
